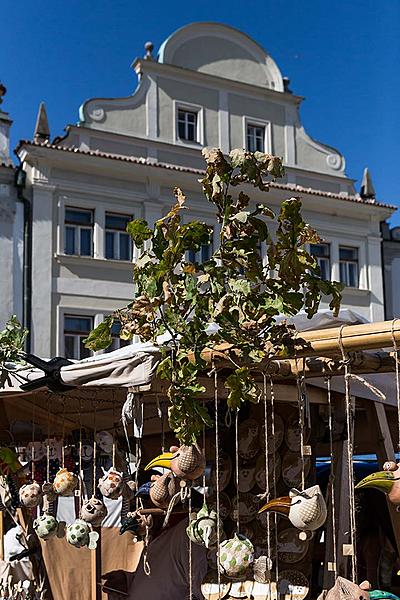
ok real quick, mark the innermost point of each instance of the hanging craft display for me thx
(293, 435)
(292, 466)
(105, 441)
(30, 495)
(93, 511)
(247, 478)
(225, 505)
(274, 442)
(262, 569)
(261, 591)
(247, 505)
(163, 489)
(211, 589)
(238, 591)
(136, 523)
(348, 590)
(46, 526)
(306, 510)
(186, 462)
(225, 471)
(291, 548)
(80, 534)
(202, 528)
(387, 481)
(65, 483)
(112, 485)
(274, 469)
(235, 556)
(249, 432)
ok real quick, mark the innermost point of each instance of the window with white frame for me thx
(255, 137)
(78, 236)
(116, 340)
(118, 244)
(348, 265)
(188, 125)
(322, 255)
(203, 254)
(76, 329)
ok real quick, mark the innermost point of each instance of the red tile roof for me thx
(151, 163)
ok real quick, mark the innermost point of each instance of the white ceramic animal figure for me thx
(105, 441)
(30, 495)
(93, 511)
(80, 534)
(235, 556)
(306, 510)
(113, 485)
(46, 526)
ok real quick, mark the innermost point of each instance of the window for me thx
(348, 262)
(203, 254)
(255, 138)
(118, 244)
(187, 125)
(76, 329)
(78, 232)
(116, 340)
(321, 253)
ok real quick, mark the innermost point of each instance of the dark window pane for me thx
(348, 253)
(124, 246)
(343, 277)
(69, 346)
(109, 244)
(255, 138)
(191, 132)
(187, 125)
(319, 249)
(80, 217)
(69, 240)
(352, 275)
(86, 242)
(191, 256)
(117, 221)
(74, 324)
(181, 130)
(205, 252)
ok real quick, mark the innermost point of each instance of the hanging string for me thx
(237, 468)
(204, 451)
(349, 427)
(47, 441)
(80, 479)
(190, 554)
(272, 393)
(215, 372)
(113, 433)
(63, 435)
(396, 362)
(94, 448)
(267, 474)
(332, 473)
(301, 399)
(33, 443)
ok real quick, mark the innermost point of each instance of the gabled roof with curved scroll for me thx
(223, 51)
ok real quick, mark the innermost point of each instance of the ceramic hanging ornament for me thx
(105, 441)
(202, 528)
(186, 462)
(262, 569)
(80, 534)
(65, 483)
(46, 526)
(235, 556)
(387, 481)
(306, 510)
(112, 484)
(163, 488)
(93, 511)
(347, 590)
(30, 495)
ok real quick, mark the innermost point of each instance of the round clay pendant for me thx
(210, 588)
(293, 585)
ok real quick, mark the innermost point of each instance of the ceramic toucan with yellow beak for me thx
(387, 481)
(306, 510)
(186, 462)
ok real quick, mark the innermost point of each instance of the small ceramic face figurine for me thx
(306, 510)
(47, 526)
(235, 556)
(111, 485)
(65, 483)
(93, 511)
(105, 440)
(79, 534)
(30, 495)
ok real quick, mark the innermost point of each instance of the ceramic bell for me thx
(30, 495)
(347, 590)
(93, 511)
(47, 526)
(65, 483)
(202, 529)
(112, 484)
(306, 510)
(186, 462)
(235, 556)
(80, 534)
(163, 489)
(387, 481)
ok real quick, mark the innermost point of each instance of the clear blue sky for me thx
(343, 56)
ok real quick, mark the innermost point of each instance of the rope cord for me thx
(47, 441)
(217, 472)
(272, 393)
(396, 359)
(80, 457)
(349, 427)
(267, 474)
(300, 404)
(33, 443)
(332, 473)
(94, 448)
(113, 433)
(237, 468)
(190, 554)
(63, 434)
(204, 451)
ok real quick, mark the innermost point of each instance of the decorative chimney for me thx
(367, 190)
(5, 125)
(42, 130)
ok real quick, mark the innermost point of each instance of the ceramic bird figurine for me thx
(387, 481)
(186, 462)
(305, 510)
(347, 590)
(163, 489)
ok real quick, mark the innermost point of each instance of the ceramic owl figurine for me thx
(235, 556)
(93, 511)
(186, 462)
(80, 534)
(30, 495)
(306, 510)
(47, 526)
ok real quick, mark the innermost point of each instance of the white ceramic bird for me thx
(305, 510)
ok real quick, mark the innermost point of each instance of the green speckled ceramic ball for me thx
(45, 526)
(235, 556)
(78, 533)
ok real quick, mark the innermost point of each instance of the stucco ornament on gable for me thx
(223, 51)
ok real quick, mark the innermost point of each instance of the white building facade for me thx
(211, 86)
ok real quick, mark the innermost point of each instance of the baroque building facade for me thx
(211, 85)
